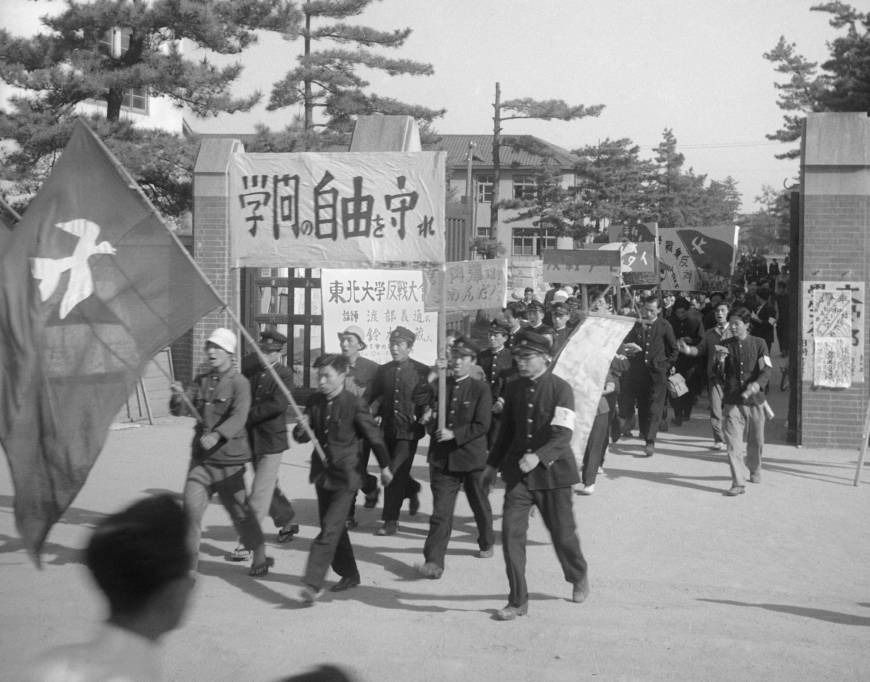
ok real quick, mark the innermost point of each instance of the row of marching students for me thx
(532, 453)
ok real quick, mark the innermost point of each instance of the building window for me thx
(115, 42)
(531, 241)
(484, 232)
(136, 99)
(484, 188)
(525, 186)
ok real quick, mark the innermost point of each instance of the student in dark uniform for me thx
(339, 421)
(533, 453)
(267, 434)
(652, 350)
(561, 330)
(457, 457)
(360, 374)
(498, 366)
(688, 328)
(535, 318)
(399, 395)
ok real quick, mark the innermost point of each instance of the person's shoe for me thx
(286, 533)
(587, 490)
(719, 445)
(238, 554)
(372, 499)
(350, 524)
(510, 612)
(581, 591)
(649, 450)
(310, 595)
(485, 552)
(734, 491)
(755, 477)
(345, 583)
(389, 528)
(261, 569)
(414, 504)
(430, 570)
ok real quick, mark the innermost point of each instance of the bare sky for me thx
(694, 66)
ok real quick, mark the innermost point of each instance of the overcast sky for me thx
(694, 66)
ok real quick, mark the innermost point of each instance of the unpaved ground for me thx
(686, 584)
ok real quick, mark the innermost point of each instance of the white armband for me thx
(563, 417)
(764, 361)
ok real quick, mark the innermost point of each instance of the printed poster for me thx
(378, 301)
(824, 316)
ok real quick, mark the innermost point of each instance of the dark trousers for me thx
(647, 390)
(369, 482)
(403, 486)
(445, 487)
(332, 545)
(596, 446)
(557, 513)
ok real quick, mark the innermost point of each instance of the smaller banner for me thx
(348, 209)
(581, 266)
(584, 363)
(471, 285)
(634, 256)
(833, 333)
(697, 258)
(378, 301)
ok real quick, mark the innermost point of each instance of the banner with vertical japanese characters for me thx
(697, 258)
(470, 285)
(347, 209)
(378, 301)
(832, 347)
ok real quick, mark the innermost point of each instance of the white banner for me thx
(584, 363)
(471, 285)
(348, 209)
(378, 301)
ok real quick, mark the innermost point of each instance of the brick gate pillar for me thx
(835, 220)
(211, 233)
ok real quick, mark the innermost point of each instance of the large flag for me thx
(92, 285)
(583, 362)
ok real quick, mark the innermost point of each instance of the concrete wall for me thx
(835, 220)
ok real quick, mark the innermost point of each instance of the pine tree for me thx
(329, 79)
(103, 50)
(842, 83)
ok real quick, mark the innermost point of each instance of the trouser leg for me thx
(231, 491)
(445, 487)
(595, 447)
(478, 500)
(656, 395)
(733, 428)
(401, 452)
(557, 512)
(332, 545)
(265, 477)
(514, 530)
(197, 493)
(716, 391)
(754, 437)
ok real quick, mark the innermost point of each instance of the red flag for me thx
(92, 285)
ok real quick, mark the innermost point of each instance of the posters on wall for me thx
(342, 209)
(832, 347)
(377, 300)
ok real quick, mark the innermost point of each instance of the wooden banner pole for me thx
(865, 436)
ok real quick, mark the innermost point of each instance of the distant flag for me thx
(708, 253)
(584, 362)
(92, 286)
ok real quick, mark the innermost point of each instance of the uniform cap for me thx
(271, 340)
(528, 343)
(499, 327)
(223, 338)
(463, 346)
(403, 334)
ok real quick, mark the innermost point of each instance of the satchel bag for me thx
(677, 385)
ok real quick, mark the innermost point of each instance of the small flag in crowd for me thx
(92, 286)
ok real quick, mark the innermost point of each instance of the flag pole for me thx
(442, 350)
(133, 185)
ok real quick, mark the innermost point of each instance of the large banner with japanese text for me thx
(697, 258)
(348, 209)
(378, 301)
(470, 285)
